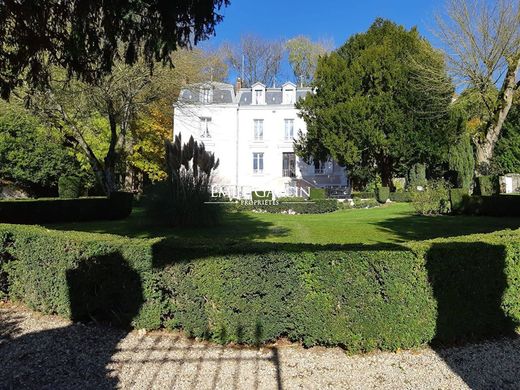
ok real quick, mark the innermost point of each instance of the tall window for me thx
(258, 129)
(204, 127)
(205, 95)
(258, 96)
(289, 165)
(289, 129)
(258, 163)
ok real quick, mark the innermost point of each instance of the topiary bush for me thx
(382, 194)
(69, 187)
(359, 297)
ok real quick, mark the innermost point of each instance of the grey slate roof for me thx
(224, 93)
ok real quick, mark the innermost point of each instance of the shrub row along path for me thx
(38, 351)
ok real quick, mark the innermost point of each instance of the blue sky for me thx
(334, 20)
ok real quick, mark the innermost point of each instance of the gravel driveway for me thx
(47, 352)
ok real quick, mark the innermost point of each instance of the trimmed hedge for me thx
(363, 195)
(359, 297)
(50, 210)
(69, 187)
(317, 193)
(262, 195)
(496, 206)
(458, 198)
(401, 196)
(382, 194)
(319, 206)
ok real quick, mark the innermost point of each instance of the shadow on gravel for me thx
(470, 286)
(75, 356)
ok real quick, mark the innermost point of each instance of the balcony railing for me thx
(319, 171)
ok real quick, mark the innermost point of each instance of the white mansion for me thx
(251, 131)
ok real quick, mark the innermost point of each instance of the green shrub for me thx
(361, 298)
(51, 210)
(363, 195)
(382, 194)
(317, 193)
(401, 196)
(433, 200)
(262, 195)
(69, 187)
(487, 185)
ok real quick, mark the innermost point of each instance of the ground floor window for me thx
(258, 163)
(289, 165)
(204, 127)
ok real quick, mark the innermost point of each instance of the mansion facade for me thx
(251, 131)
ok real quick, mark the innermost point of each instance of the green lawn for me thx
(389, 224)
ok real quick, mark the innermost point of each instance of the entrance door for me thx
(509, 185)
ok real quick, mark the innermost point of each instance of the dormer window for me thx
(206, 95)
(259, 96)
(258, 90)
(288, 96)
(289, 93)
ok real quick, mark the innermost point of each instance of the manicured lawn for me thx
(389, 224)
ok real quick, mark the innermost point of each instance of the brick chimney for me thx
(238, 85)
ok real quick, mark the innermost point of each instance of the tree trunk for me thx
(485, 146)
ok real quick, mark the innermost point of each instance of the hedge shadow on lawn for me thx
(471, 289)
(420, 227)
(236, 226)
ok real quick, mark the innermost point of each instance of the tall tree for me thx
(120, 123)
(482, 42)
(369, 111)
(303, 57)
(86, 37)
(256, 58)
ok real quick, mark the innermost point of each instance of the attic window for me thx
(206, 95)
(258, 96)
(289, 96)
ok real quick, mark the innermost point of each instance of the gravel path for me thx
(47, 352)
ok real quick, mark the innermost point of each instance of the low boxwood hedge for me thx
(359, 297)
(401, 196)
(363, 195)
(318, 206)
(50, 210)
